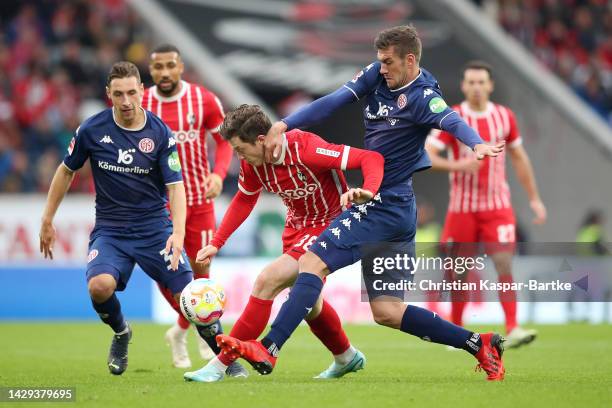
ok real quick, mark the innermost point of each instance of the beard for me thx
(168, 91)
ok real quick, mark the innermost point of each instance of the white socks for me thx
(346, 357)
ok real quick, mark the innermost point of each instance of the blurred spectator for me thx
(571, 37)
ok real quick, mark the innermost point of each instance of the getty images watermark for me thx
(553, 272)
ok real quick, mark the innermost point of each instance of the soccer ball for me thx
(202, 301)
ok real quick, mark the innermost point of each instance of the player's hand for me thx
(47, 239)
(483, 150)
(538, 208)
(214, 185)
(467, 165)
(175, 244)
(356, 195)
(206, 254)
(274, 141)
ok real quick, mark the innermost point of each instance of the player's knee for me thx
(269, 283)
(311, 263)
(386, 314)
(101, 287)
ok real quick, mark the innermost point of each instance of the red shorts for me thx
(297, 241)
(199, 228)
(495, 229)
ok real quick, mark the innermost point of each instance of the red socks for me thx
(167, 294)
(251, 323)
(328, 328)
(508, 303)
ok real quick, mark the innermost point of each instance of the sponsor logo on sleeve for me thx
(327, 152)
(437, 105)
(146, 145)
(173, 162)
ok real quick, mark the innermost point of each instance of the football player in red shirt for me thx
(480, 210)
(192, 112)
(308, 177)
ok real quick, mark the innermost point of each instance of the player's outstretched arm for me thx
(524, 172)
(308, 115)
(178, 209)
(59, 186)
(468, 165)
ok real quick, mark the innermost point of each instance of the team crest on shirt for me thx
(146, 145)
(301, 176)
(402, 101)
(92, 255)
(191, 119)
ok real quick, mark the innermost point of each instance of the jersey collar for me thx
(131, 130)
(281, 159)
(465, 107)
(172, 98)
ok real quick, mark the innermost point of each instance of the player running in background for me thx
(402, 103)
(191, 111)
(480, 210)
(134, 161)
(308, 177)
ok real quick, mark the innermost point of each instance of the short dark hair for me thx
(478, 64)
(122, 69)
(165, 48)
(247, 122)
(404, 38)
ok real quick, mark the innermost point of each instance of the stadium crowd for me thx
(573, 38)
(54, 58)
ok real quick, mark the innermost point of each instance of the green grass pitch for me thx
(567, 366)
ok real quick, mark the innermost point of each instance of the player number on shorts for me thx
(505, 233)
(306, 241)
(168, 258)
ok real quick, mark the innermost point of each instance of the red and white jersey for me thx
(304, 176)
(487, 189)
(189, 115)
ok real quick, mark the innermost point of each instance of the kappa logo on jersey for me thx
(298, 192)
(146, 145)
(106, 139)
(383, 110)
(323, 244)
(347, 223)
(126, 157)
(377, 198)
(336, 232)
(327, 152)
(427, 92)
(402, 101)
(356, 215)
(71, 146)
(171, 141)
(92, 255)
(362, 209)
